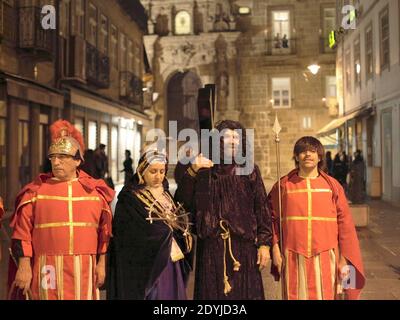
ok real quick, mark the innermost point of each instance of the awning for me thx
(333, 125)
(336, 123)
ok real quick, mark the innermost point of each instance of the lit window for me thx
(385, 45)
(281, 31)
(330, 87)
(281, 93)
(369, 52)
(329, 24)
(182, 23)
(306, 122)
(92, 138)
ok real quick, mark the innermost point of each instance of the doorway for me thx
(182, 94)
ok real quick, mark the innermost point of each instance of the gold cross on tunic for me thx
(309, 218)
(70, 223)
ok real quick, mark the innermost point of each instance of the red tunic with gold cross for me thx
(63, 226)
(316, 228)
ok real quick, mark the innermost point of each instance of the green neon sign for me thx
(332, 39)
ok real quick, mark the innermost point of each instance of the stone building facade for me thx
(368, 62)
(257, 53)
(87, 70)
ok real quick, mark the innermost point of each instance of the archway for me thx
(182, 94)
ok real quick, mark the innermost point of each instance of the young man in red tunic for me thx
(321, 255)
(62, 225)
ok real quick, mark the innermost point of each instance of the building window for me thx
(122, 52)
(114, 152)
(92, 37)
(306, 122)
(348, 69)
(281, 31)
(369, 52)
(183, 23)
(330, 91)
(281, 93)
(104, 134)
(121, 148)
(385, 38)
(92, 137)
(103, 34)
(80, 17)
(23, 152)
(138, 60)
(79, 125)
(64, 18)
(357, 62)
(137, 146)
(131, 56)
(43, 140)
(114, 47)
(328, 24)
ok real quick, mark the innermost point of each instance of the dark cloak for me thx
(138, 251)
(215, 194)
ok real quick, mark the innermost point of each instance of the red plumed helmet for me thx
(65, 139)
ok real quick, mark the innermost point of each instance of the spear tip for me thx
(277, 127)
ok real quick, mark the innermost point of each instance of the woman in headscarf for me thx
(149, 252)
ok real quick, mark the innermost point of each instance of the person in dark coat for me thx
(233, 223)
(329, 163)
(149, 254)
(127, 167)
(88, 165)
(357, 179)
(340, 169)
(101, 162)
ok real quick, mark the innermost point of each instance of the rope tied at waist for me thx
(226, 236)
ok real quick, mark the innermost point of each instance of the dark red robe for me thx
(241, 201)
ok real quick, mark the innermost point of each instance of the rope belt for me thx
(226, 236)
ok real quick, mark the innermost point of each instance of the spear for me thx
(277, 129)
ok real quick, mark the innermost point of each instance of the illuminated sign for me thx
(332, 39)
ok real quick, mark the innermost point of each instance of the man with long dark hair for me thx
(232, 220)
(318, 248)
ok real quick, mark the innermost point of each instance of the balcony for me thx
(131, 88)
(280, 47)
(97, 67)
(8, 28)
(77, 63)
(32, 38)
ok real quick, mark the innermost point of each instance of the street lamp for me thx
(314, 68)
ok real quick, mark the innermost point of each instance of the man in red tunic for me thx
(321, 257)
(62, 226)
